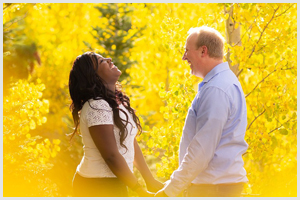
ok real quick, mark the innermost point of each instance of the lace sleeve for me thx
(99, 112)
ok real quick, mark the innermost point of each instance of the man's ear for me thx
(204, 50)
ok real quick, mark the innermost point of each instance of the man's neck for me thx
(211, 63)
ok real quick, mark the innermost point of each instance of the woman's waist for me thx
(97, 160)
(93, 154)
(97, 168)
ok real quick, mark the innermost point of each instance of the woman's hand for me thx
(143, 193)
(161, 193)
(154, 185)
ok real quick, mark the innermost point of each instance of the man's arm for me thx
(211, 112)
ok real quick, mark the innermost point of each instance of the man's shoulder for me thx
(224, 80)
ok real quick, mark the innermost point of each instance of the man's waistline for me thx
(214, 185)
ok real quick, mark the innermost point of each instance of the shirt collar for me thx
(216, 70)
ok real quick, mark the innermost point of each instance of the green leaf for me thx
(274, 142)
(269, 119)
(283, 131)
(294, 127)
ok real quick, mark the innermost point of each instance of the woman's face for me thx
(107, 70)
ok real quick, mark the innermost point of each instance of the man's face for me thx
(193, 55)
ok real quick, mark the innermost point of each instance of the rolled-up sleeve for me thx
(212, 109)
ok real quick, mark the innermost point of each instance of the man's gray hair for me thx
(210, 38)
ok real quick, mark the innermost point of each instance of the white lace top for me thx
(92, 164)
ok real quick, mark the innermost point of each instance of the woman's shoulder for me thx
(99, 104)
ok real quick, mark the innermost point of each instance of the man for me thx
(212, 143)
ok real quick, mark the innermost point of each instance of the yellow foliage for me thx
(25, 153)
(36, 117)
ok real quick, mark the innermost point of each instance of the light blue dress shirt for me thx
(212, 142)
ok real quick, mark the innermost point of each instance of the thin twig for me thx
(239, 73)
(17, 19)
(280, 126)
(284, 11)
(260, 82)
(7, 6)
(264, 79)
(256, 118)
(263, 32)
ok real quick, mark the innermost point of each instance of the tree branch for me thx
(256, 118)
(239, 73)
(280, 126)
(264, 79)
(260, 82)
(15, 20)
(7, 5)
(284, 11)
(263, 32)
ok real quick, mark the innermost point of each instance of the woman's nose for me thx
(109, 60)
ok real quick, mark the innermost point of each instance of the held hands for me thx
(154, 186)
(142, 192)
(160, 193)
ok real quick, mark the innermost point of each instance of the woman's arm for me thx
(104, 139)
(152, 184)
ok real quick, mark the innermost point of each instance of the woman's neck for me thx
(111, 87)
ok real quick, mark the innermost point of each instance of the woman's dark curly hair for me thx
(85, 84)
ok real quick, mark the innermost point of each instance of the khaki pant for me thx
(220, 190)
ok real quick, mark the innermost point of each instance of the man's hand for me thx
(154, 186)
(161, 193)
(143, 193)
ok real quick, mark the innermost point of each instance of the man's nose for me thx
(184, 56)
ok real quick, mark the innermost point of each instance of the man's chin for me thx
(193, 72)
(196, 74)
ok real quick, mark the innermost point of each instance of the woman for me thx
(108, 126)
